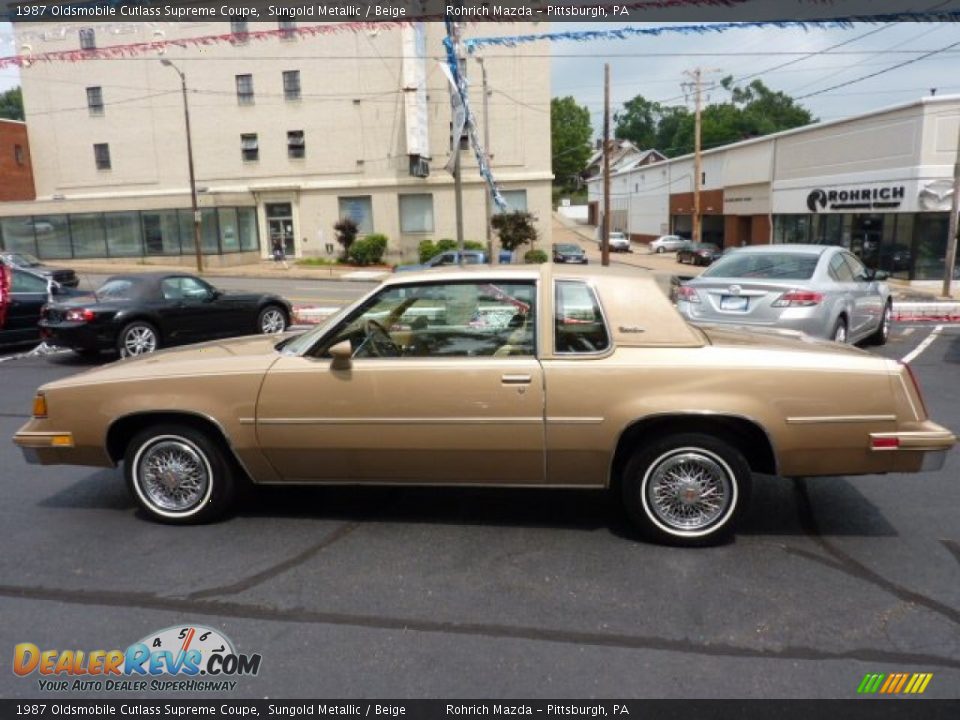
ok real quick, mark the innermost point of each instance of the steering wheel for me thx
(379, 340)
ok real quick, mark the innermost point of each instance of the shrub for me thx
(535, 256)
(426, 250)
(514, 229)
(369, 250)
(346, 230)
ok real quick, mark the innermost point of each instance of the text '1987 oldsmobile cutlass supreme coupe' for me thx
(549, 376)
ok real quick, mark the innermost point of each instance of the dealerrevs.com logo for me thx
(184, 658)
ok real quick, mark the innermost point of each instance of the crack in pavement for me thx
(278, 569)
(150, 601)
(841, 562)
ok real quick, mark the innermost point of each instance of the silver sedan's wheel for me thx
(272, 320)
(882, 333)
(686, 489)
(179, 474)
(138, 338)
(840, 331)
(660, 250)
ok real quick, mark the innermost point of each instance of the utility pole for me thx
(486, 148)
(457, 180)
(951, 259)
(193, 182)
(605, 237)
(696, 85)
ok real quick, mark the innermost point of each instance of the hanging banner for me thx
(458, 115)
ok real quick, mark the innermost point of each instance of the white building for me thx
(290, 133)
(878, 183)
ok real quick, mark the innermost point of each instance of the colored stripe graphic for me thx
(894, 684)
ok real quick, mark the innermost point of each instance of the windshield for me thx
(23, 259)
(772, 266)
(569, 248)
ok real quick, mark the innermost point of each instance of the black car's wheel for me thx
(882, 333)
(839, 333)
(271, 320)
(686, 489)
(138, 338)
(179, 475)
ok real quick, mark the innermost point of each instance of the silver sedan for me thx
(667, 243)
(820, 290)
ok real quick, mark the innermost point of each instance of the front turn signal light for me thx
(39, 406)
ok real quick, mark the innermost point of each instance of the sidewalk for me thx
(261, 269)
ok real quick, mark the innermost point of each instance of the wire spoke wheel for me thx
(689, 490)
(172, 474)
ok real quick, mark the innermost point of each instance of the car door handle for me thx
(515, 379)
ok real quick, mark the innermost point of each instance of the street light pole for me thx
(193, 181)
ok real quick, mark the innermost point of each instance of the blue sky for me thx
(654, 67)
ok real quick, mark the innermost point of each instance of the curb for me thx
(926, 311)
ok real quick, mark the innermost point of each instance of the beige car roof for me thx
(638, 312)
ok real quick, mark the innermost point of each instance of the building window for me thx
(250, 147)
(18, 154)
(239, 28)
(101, 153)
(416, 213)
(245, 89)
(291, 85)
(296, 145)
(287, 28)
(358, 208)
(95, 100)
(88, 39)
(516, 200)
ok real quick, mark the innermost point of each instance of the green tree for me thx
(11, 104)
(514, 229)
(570, 133)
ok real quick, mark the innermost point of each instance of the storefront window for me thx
(18, 235)
(247, 224)
(208, 231)
(229, 234)
(124, 237)
(53, 236)
(930, 246)
(793, 228)
(88, 235)
(161, 232)
(828, 230)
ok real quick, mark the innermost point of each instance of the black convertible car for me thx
(137, 314)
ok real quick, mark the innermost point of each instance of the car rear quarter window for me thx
(579, 327)
(27, 283)
(767, 266)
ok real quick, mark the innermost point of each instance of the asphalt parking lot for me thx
(377, 592)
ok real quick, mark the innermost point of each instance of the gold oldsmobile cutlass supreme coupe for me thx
(554, 377)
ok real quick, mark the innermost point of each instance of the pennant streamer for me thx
(624, 33)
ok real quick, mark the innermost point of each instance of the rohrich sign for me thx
(883, 197)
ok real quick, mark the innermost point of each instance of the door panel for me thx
(405, 420)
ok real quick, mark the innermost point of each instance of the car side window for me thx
(443, 320)
(183, 288)
(170, 289)
(27, 283)
(839, 270)
(857, 268)
(579, 326)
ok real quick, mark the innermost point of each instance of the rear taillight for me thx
(916, 387)
(798, 298)
(84, 315)
(685, 292)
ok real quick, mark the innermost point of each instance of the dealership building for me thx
(879, 184)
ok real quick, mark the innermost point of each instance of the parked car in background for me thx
(695, 253)
(667, 243)
(821, 290)
(138, 314)
(21, 307)
(569, 253)
(450, 257)
(619, 242)
(526, 376)
(64, 276)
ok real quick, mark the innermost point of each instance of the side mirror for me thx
(880, 275)
(342, 354)
(214, 294)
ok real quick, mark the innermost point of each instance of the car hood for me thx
(253, 353)
(774, 339)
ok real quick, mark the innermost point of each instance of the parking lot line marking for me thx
(927, 342)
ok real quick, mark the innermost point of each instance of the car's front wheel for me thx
(660, 250)
(138, 338)
(686, 489)
(178, 474)
(271, 320)
(840, 330)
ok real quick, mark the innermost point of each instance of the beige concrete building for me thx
(289, 135)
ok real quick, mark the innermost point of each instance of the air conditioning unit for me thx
(419, 166)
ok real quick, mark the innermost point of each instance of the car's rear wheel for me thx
(882, 333)
(686, 489)
(138, 338)
(272, 320)
(660, 250)
(179, 475)
(840, 330)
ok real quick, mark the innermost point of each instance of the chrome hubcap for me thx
(272, 322)
(172, 475)
(689, 491)
(139, 340)
(886, 321)
(840, 335)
